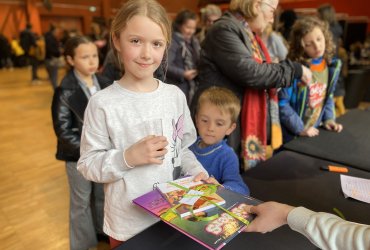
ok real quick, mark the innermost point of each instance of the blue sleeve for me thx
(289, 118)
(231, 178)
(329, 109)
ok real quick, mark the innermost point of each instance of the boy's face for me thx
(212, 124)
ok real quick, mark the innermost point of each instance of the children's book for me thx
(213, 227)
(184, 195)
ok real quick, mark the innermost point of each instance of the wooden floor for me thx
(34, 197)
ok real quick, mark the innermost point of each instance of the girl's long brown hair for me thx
(301, 28)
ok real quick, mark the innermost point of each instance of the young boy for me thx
(216, 116)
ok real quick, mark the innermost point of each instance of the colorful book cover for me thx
(213, 228)
(153, 202)
(185, 196)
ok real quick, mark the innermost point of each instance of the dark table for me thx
(163, 237)
(297, 179)
(287, 177)
(350, 147)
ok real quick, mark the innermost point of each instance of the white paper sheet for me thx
(356, 188)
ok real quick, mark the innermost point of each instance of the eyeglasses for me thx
(269, 5)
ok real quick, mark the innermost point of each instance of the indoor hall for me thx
(34, 199)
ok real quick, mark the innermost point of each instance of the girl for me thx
(304, 108)
(115, 149)
(68, 107)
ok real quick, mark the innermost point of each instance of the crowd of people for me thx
(30, 49)
(227, 94)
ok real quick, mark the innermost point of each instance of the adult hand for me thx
(190, 74)
(269, 216)
(306, 75)
(149, 150)
(310, 132)
(333, 126)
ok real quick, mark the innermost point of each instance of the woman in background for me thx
(208, 16)
(233, 56)
(183, 54)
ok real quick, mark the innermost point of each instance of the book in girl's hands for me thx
(213, 227)
(184, 195)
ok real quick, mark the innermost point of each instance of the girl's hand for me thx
(333, 126)
(269, 216)
(149, 150)
(212, 180)
(201, 177)
(310, 132)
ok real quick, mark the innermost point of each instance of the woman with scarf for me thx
(183, 54)
(233, 56)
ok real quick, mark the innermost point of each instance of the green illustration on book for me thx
(188, 198)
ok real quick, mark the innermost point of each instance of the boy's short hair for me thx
(222, 98)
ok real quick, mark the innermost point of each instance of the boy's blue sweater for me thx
(221, 161)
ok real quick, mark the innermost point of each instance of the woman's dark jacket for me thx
(68, 107)
(227, 60)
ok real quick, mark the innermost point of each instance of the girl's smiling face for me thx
(141, 46)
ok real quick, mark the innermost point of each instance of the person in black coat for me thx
(5, 53)
(27, 40)
(231, 57)
(68, 106)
